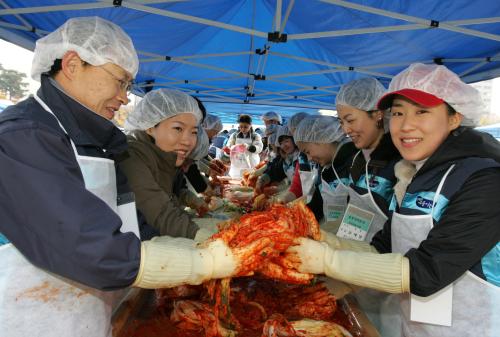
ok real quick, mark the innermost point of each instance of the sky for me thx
(17, 58)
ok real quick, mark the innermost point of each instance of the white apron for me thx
(334, 203)
(250, 160)
(289, 168)
(308, 181)
(34, 302)
(363, 218)
(253, 157)
(475, 304)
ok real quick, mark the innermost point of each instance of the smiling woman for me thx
(162, 133)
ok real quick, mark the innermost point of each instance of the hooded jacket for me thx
(153, 177)
(380, 170)
(466, 216)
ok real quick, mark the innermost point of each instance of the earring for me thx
(380, 123)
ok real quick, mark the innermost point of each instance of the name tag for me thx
(434, 309)
(335, 212)
(355, 223)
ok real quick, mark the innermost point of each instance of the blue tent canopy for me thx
(283, 55)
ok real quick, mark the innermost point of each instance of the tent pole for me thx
(357, 69)
(467, 22)
(309, 87)
(236, 53)
(56, 8)
(191, 18)
(306, 73)
(360, 31)
(287, 14)
(24, 28)
(20, 18)
(157, 57)
(277, 16)
(477, 66)
(408, 18)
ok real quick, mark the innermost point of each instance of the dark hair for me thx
(283, 137)
(201, 107)
(245, 119)
(450, 109)
(57, 67)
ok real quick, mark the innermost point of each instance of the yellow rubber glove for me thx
(345, 244)
(384, 272)
(168, 262)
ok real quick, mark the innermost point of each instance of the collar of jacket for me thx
(166, 160)
(384, 153)
(84, 127)
(345, 153)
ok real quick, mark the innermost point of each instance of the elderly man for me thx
(65, 207)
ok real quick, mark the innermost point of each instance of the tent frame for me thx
(297, 91)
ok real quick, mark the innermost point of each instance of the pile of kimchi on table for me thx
(267, 297)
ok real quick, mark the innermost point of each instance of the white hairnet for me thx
(202, 145)
(319, 129)
(282, 131)
(158, 105)
(95, 40)
(296, 119)
(271, 116)
(362, 94)
(212, 122)
(441, 82)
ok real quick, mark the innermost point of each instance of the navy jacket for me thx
(466, 216)
(342, 163)
(380, 171)
(45, 209)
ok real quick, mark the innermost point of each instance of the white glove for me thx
(168, 262)
(309, 256)
(223, 261)
(384, 272)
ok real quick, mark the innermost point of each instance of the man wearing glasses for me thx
(66, 210)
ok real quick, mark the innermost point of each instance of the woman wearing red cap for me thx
(441, 244)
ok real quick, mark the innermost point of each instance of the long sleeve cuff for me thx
(170, 262)
(384, 272)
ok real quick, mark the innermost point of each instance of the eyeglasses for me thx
(124, 85)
